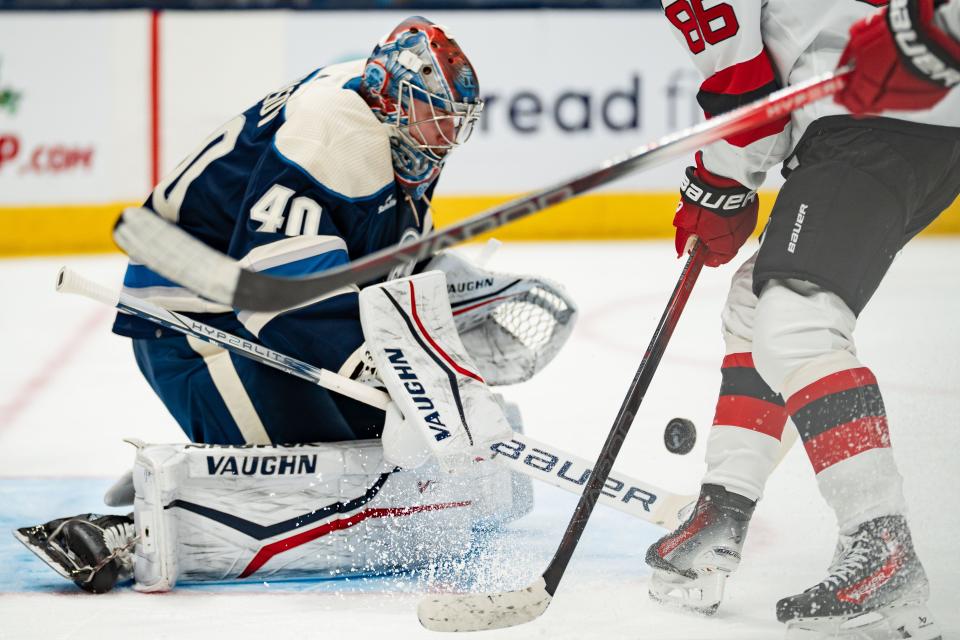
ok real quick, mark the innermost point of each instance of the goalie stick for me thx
(521, 453)
(482, 611)
(175, 254)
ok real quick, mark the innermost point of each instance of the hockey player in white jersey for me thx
(285, 478)
(857, 190)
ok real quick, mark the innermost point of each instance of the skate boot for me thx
(691, 564)
(876, 589)
(94, 551)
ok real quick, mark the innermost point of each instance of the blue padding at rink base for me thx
(613, 544)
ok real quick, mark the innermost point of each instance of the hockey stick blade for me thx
(484, 611)
(174, 254)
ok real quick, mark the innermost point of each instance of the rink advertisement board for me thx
(73, 126)
(85, 132)
(72, 107)
(564, 90)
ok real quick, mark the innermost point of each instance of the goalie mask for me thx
(419, 82)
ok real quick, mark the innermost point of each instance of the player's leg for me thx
(839, 221)
(222, 398)
(216, 398)
(201, 388)
(692, 563)
(838, 409)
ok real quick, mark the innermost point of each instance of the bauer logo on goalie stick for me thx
(417, 392)
(548, 463)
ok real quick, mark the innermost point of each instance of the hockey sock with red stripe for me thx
(746, 401)
(839, 416)
(744, 442)
(843, 424)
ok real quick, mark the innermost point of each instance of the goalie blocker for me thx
(440, 408)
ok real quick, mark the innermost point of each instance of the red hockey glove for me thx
(902, 60)
(720, 211)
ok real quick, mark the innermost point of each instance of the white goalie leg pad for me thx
(156, 476)
(218, 513)
(409, 331)
(511, 325)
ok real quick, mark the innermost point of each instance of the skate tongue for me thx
(117, 537)
(852, 560)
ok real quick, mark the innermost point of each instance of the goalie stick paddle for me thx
(175, 254)
(482, 611)
(520, 453)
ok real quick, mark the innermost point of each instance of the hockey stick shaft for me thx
(496, 610)
(521, 453)
(624, 420)
(69, 281)
(177, 255)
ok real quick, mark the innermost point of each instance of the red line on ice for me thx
(26, 394)
(154, 97)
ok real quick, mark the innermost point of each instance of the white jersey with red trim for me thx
(746, 49)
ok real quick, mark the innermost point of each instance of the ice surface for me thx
(69, 391)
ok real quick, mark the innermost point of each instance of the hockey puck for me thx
(680, 436)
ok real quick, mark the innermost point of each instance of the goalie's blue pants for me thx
(221, 398)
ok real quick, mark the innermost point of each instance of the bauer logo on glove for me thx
(720, 200)
(720, 211)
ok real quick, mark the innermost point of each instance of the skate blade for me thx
(701, 596)
(909, 620)
(24, 537)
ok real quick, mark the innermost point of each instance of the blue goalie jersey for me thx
(301, 182)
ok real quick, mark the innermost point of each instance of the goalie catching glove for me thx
(511, 325)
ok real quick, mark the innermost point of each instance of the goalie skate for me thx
(876, 590)
(92, 550)
(691, 565)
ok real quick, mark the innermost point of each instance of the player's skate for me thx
(691, 564)
(94, 551)
(876, 589)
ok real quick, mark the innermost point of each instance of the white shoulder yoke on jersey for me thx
(333, 136)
